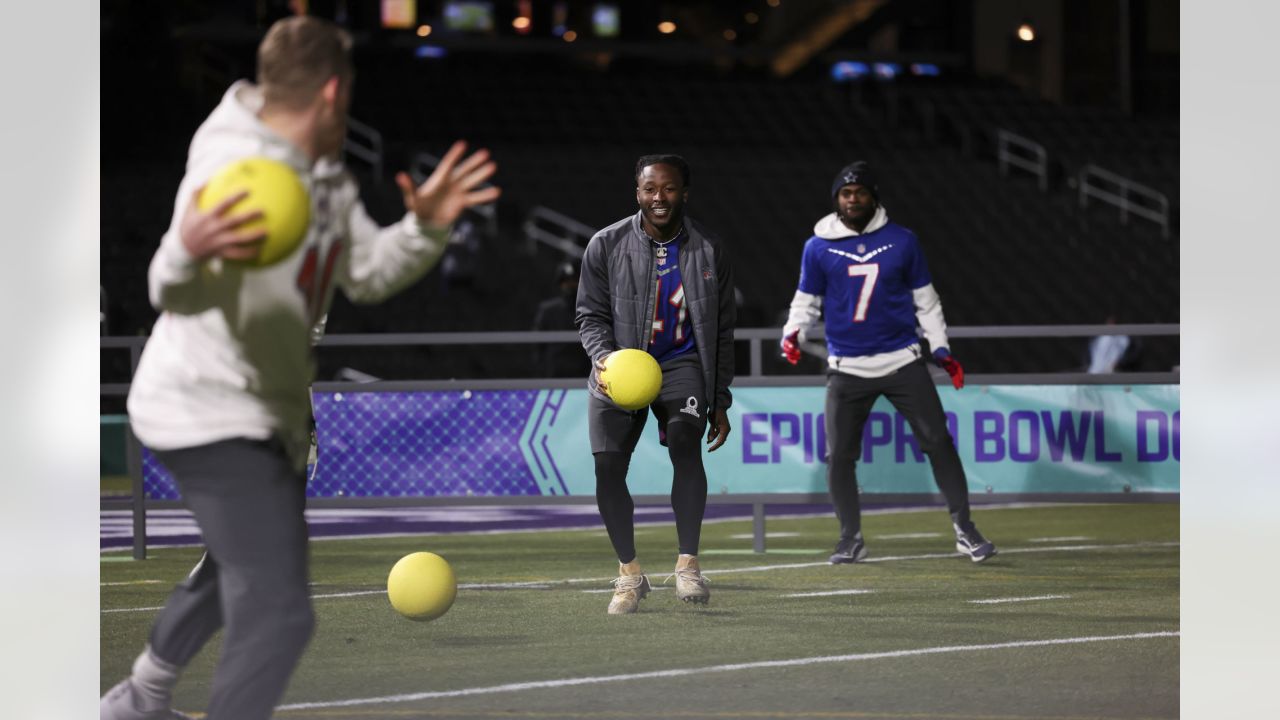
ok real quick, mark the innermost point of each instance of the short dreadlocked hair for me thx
(674, 161)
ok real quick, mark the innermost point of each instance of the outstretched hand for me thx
(451, 188)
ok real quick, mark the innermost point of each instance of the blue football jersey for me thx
(866, 282)
(672, 333)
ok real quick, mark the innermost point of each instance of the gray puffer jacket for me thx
(617, 292)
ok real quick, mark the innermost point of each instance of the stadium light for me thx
(886, 70)
(847, 70)
(1026, 32)
(606, 20)
(523, 21)
(666, 27)
(569, 36)
(730, 34)
(424, 30)
(751, 18)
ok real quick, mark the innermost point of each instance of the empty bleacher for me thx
(763, 151)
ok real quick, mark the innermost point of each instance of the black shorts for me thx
(683, 398)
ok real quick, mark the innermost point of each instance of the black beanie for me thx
(856, 173)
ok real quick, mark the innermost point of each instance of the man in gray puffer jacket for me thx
(660, 282)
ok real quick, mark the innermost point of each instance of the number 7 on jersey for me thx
(869, 273)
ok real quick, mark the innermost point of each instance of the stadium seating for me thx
(763, 152)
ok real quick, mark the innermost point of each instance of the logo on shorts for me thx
(690, 406)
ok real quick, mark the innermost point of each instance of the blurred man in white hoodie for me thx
(221, 392)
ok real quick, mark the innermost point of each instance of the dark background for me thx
(566, 120)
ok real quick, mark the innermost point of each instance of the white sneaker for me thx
(629, 589)
(146, 694)
(122, 703)
(691, 586)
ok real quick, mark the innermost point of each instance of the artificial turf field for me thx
(1085, 627)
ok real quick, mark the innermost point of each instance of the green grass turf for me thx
(493, 637)
(115, 485)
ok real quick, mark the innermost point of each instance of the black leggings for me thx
(688, 491)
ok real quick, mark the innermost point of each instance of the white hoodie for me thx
(230, 355)
(806, 311)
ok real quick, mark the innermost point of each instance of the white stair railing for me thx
(1024, 154)
(364, 143)
(1132, 198)
(559, 231)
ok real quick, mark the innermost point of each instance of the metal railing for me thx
(556, 230)
(1024, 154)
(759, 341)
(364, 143)
(1125, 194)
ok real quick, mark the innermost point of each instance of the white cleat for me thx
(629, 589)
(691, 586)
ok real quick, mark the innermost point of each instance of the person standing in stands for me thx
(221, 393)
(555, 359)
(661, 282)
(867, 276)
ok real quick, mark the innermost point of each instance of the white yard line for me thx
(1073, 538)
(652, 588)
(906, 536)
(179, 514)
(134, 609)
(132, 582)
(537, 584)
(997, 601)
(688, 672)
(830, 592)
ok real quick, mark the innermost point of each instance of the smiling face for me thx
(855, 205)
(661, 195)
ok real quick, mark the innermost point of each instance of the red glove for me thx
(791, 347)
(943, 357)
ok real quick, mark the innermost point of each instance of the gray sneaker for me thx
(849, 550)
(972, 543)
(121, 703)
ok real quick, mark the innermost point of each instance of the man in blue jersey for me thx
(661, 282)
(869, 278)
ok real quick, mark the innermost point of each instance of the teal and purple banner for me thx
(1011, 438)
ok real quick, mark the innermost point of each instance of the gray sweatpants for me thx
(248, 500)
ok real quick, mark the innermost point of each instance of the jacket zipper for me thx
(651, 299)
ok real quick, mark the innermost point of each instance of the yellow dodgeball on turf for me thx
(631, 378)
(275, 189)
(421, 586)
